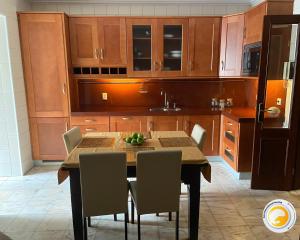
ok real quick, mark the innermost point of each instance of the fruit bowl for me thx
(136, 139)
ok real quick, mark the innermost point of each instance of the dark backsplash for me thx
(186, 93)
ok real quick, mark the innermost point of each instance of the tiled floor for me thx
(34, 207)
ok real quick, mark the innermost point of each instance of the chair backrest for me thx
(199, 135)
(104, 186)
(72, 138)
(158, 181)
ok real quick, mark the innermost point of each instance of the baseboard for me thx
(237, 175)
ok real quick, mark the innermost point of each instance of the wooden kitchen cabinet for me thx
(236, 143)
(211, 123)
(46, 138)
(128, 123)
(231, 45)
(204, 42)
(157, 47)
(165, 123)
(90, 123)
(255, 16)
(45, 66)
(98, 41)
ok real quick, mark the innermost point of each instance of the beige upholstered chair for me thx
(104, 186)
(72, 138)
(157, 188)
(199, 135)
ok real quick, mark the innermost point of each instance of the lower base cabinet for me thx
(46, 138)
(236, 143)
(165, 123)
(211, 123)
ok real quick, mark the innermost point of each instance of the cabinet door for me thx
(231, 45)
(84, 41)
(204, 39)
(165, 123)
(128, 124)
(211, 123)
(112, 37)
(44, 62)
(46, 138)
(141, 47)
(254, 19)
(172, 44)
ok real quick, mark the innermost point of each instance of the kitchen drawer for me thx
(128, 123)
(92, 128)
(228, 153)
(90, 120)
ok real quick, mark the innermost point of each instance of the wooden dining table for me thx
(193, 164)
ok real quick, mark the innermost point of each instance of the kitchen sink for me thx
(163, 109)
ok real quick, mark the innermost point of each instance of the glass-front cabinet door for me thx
(141, 47)
(172, 46)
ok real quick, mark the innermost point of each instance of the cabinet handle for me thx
(227, 149)
(101, 54)
(66, 127)
(229, 123)
(213, 136)
(155, 65)
(186, 126)
(96, 54)
(191, 65)
(223, 65)
(151, 126)
(177, 125)
(90, 129)
(64, 89)
(212, 48)
(125, 118)
(89, 120)
(160, 65)
(228, 131)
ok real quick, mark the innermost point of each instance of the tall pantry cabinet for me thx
(44, 53)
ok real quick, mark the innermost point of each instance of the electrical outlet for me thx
(104, 96)
(279, 101)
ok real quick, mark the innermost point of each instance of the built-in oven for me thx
(251, 59)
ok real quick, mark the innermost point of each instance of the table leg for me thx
(76, 203)
(194, 204)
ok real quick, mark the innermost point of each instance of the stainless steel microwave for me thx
(251, 59)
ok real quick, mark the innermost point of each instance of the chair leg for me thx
(170, 216)
(157, 214)
(89, 222)
(132, 211)
(115, 217)
(85, 229)
(126, 220)
(177, 225)
(139, 227)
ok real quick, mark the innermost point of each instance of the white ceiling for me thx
(252, 2)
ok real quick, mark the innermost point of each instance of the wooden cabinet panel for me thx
(165, 123)
(236, 142)
(211, 123)
(141, 47)
(231, 45)
(254, 23)
(172, 46)
(128, 124)
(45, 65)
(90, 123)
(46, 138)
(112, 41)
(204, 40)
(84, 40)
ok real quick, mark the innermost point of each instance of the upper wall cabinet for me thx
(231, 45)
(141, 45)
(44, 50)
(254, 18)
(98, 41)
(204, 42)
(157, 47)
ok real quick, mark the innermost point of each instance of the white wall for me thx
(143, 9)
(15, 148)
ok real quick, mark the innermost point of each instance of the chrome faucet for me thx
(166, 102)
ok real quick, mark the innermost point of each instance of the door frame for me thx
(290, 133)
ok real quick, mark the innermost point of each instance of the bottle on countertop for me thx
(229, 102)
(222, 104)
